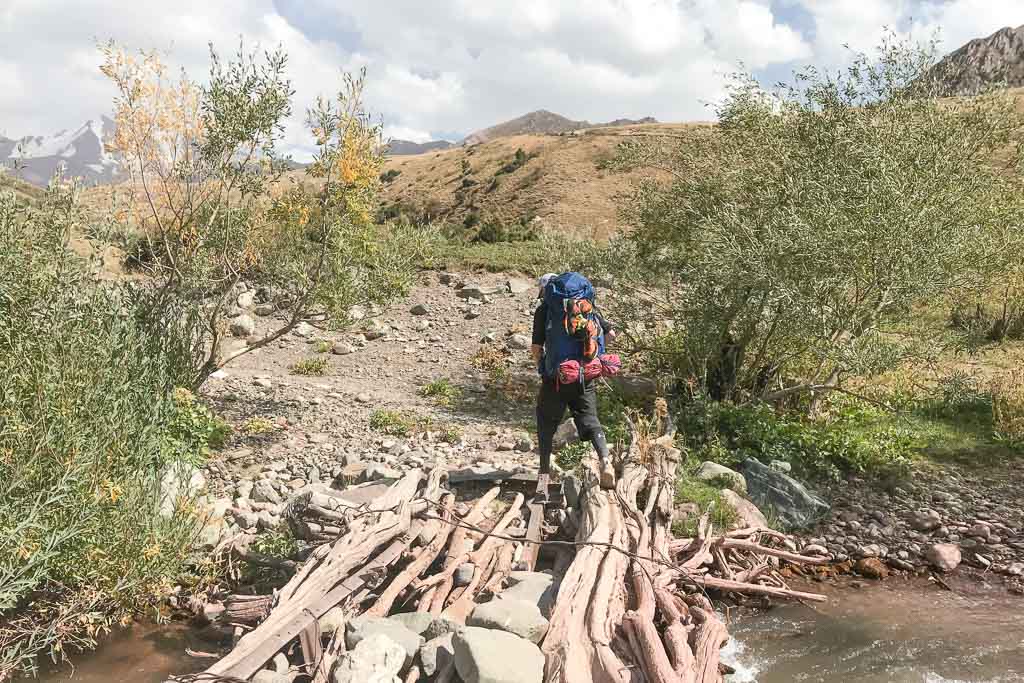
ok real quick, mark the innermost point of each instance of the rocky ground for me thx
(292, 431)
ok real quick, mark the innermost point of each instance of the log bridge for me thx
(633, 600)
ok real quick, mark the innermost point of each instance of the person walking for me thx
(568, 333)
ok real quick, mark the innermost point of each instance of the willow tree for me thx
(789, 245)
(211, 204)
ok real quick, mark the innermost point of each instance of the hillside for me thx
(557, 183)
(996, 59)
(543, 122)
(405, 147)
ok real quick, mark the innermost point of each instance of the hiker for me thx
(569, 336)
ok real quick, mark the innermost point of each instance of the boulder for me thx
(520, 617)
(464, 574)
(518, 286)
(925, 520)
(264, 492)
(943, 556)
(180, 480)
(747, 512)
(477, 292)
(871, 567)
(215, 526)
(519, 341)
(420, 309)
(361, 628)
(374, 659)
(435, 654)
(246, 299)
(772, 490)
(487, 656)
(417, 622)
(720, 474)
(565, 435)
(243, 326)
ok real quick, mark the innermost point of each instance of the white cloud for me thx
(453, 66)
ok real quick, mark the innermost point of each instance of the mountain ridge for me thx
(997, 59)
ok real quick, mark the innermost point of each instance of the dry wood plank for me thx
(534, 531)
(796, 558)
(751, 588)
(311, 645)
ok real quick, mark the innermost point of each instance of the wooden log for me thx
(423, 559)
(676, 637)
(709, 638)
(481, 559)
(326, 579)
(533, 535)
(456, 550)
(751, 588)
(246, 609)
(646, 642)
(795, 558)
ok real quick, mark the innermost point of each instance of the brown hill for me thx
(995, 60)
(554, 182)
(537, 122)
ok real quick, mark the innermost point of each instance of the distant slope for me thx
(406, 147)
(996, 59)
(558, 185)
(78, 152)
(540, 122)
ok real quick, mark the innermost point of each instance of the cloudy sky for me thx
(443, 68)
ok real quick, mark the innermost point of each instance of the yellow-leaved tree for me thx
(212, 205)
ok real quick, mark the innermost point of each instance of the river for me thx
(892, 632)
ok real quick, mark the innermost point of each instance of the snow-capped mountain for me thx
(79, 153)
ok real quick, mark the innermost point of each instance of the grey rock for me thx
(375, 659)
(1016, 569)
(377, 472)
(712, 471)
(304, 330)
(524, 445)
(565, 435)
(488, 656)
(538, 588)
(246, 299)
(464, 574)
(473, 314)
(364, 398)
(516, 286)
(520, 617)
(263, 492)
(342, 348)
(477, 292)
(417, 622)
(245, 519)
(782, 466)
(571, 488)
(982, 531)
(264, 309)
(519, 341)
(925, 520)
(747, 513)
(782, 494)
(361, 628)
(243, 326)
(179, 480)
(420, 309)
(943, 556)
(437, 653)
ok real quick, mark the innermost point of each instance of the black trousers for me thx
(552, 400)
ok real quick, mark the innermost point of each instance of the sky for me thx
(444, 68)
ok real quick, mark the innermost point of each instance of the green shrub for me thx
(88, 428)
(706, 497)
(396, 423)
(852, 438)
(570, 456)
(322, 346)
(442, 391)
(194, 429)
(314, 367)
(389, 175)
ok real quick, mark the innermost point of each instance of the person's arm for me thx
(606, 327)
(540, 322)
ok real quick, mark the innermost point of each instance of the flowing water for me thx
(892, 632)
(896, 631)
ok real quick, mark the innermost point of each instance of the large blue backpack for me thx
(559, 294)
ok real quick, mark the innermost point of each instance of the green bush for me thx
(853, 438)
(396, 423)
(311, 367)
(389, 175)
(441, 390)
(706, 497)
(571, 456)
(88, 427)
(193, 429)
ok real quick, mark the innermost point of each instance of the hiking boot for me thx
(606, 474)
